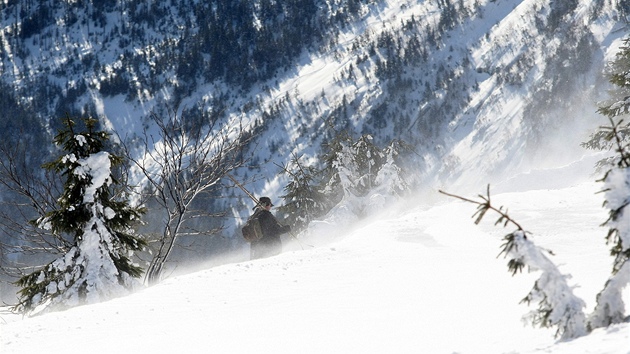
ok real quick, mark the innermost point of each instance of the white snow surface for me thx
(420, 278)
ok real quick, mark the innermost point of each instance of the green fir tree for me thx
(303, 202)
(93, 211)
(610, 306)
(616, 107)
(368, 159)
(332, 184)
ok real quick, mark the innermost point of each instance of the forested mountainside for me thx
(405, 69)
(443, 76)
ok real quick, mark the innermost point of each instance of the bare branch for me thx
(484, 206)
(180, 166)
(28, 194)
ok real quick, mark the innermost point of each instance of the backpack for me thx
(252, 230)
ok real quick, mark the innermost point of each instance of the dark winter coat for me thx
(270, 244)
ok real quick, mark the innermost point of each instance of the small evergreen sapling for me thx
(98, 265)
(557, 305)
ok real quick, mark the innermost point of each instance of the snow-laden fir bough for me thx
(557, 304)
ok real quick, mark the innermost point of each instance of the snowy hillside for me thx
(486, 91)
(482, 89)
(445, 76)
(490, 89)
(420, 278)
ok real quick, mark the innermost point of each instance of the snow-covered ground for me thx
(419, 279)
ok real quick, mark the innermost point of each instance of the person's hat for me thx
(265, 201)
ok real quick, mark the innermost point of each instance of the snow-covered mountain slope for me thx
(500, 78)
(505, 87)
(446, 76)
(417, 279)
(485, 90)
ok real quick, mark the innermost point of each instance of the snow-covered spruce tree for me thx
(610, 307)
(347, 171)
(389, 183)
(360, 176)
(97, 216)
(338, 180)
(616, 108)
(368, 159)
(351, 166)
(390, 176)
(303, 201)
(557, 305)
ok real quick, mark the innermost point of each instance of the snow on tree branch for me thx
(98, 265)
(557, 305)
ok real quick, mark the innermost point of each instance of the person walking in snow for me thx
(270, 244)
